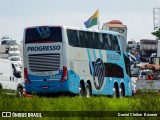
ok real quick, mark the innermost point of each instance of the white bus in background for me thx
(75, 60)
(10, 78)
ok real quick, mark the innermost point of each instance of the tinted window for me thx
(43, 34)
(111, 70)
(90, 40)
(115, 45)
(11, 42)
(13, 49)
(82, 38)
(107, 42)
(143, 73)
(98, 42)
(130, 42)
(15, 59)
(93, 40)
(73, 38)
(4, 42)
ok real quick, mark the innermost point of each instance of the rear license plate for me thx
(45, 87)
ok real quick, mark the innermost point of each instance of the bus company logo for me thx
(43, 48)
(99, 72)
(44, 32)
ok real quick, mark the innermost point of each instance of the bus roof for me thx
(78, 28)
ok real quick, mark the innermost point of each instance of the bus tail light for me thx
(64, 74)
(27, 81)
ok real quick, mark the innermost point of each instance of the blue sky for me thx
(15, 15)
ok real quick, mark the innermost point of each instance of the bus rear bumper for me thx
(47, 88)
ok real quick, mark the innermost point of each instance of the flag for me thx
(93, 20)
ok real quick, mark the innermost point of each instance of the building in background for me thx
(117, 26)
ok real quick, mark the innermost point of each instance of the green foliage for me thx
(143, 102)
(157, 33)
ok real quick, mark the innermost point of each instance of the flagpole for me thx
(98, 20)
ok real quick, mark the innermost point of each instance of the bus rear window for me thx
(43, 35)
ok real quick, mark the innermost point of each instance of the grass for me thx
(143, 102)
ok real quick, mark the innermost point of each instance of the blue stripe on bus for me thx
(94, 53)
(90, 61)
(100, 53)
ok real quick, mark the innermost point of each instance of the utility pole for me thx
(156, 18)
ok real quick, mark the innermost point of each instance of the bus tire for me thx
(115, 92)
(121, 91)
(81, 90)
(88, 90)
(19, 92)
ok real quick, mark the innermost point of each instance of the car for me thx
(133, 59)
(133, 88)
(151, 59)
(10, 43)
(131, 44)
(14, 51)
(16, 59)
(138, 46)
(143, 74)
(135, 70)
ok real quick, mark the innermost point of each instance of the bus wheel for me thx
(19, 92)
(88, 90)
(81, 90)
(115, 92)
(121, 92)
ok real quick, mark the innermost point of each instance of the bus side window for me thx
(106, 42)
(75, 38)
(113, 70)
(101, 46)
(96, 40)
(72, 38)
(90, 42)
(82, 39)
(115, 45)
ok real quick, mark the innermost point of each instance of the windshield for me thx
(43, 34)
(143, 73)
(11, 42)
(130, 42)
(15, 59)
(13, 49)
(4, 42)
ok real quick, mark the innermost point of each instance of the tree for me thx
(157, 33)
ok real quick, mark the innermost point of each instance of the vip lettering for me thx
(43, 48)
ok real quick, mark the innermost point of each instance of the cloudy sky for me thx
(15, 15)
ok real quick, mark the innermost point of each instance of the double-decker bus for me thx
(75, 60)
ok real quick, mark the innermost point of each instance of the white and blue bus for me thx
(75, 60)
